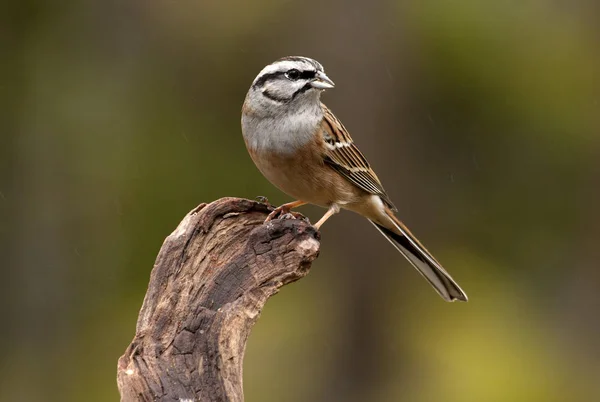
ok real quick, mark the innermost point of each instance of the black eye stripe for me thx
(304, 75)
(267, 77)
(295, 74)
(307, 75)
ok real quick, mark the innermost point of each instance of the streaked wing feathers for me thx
(346, 158)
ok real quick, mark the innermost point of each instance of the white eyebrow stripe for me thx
(284, 65)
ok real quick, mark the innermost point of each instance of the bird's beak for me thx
(322, 81)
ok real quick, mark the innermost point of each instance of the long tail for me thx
(421, 259)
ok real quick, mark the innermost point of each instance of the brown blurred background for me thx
(480, 117)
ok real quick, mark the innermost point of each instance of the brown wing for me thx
(345, 157)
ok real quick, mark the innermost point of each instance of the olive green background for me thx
(480, 117)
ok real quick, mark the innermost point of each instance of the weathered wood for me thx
(211, 279)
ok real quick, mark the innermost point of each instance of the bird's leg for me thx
(333, 209)
(284, 209)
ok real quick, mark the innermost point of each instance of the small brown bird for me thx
(303, 149)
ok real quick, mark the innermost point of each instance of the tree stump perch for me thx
(212, 277)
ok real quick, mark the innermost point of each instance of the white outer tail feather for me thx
(429, 271)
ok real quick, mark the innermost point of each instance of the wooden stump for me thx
(212, 277)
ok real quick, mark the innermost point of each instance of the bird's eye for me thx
(293, 74)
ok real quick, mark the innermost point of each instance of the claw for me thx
(293, 215)
(284, 213)
(276, 213)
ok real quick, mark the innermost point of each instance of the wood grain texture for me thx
(212, 277)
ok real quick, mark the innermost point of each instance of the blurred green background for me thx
(480, 117)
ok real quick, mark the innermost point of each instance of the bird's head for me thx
(291, 81)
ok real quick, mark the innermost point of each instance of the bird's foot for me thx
(293, 215)
(284, 212)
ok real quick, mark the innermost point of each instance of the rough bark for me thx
(211, 279)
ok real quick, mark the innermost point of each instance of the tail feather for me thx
(408, 245)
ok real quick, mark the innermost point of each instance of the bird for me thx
(302, 148)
